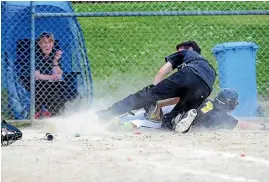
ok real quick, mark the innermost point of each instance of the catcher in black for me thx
(192, 83)
(9, 133)
(214, 115)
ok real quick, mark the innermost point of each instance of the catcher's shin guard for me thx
(9, 134)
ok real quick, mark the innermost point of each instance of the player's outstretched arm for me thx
(155, 113)
(165, 69)
(168, 102)
(248, 125)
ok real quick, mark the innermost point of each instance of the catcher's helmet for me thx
(227, 98)
(9, 133)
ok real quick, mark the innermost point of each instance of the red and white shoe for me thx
(46, 113)
(38, 115)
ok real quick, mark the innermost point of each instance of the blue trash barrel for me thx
(237, 70)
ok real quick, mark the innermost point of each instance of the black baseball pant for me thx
(185, 84)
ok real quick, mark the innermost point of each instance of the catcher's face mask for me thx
(9, 134)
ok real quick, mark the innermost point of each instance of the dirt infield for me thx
(101, 155)
(149, 156)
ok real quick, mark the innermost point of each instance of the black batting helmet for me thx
(227, 98)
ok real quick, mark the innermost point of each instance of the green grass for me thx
(126, 52)
(169, 6)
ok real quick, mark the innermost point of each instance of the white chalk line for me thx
(198, 172)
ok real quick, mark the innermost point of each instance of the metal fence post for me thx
(32, 63)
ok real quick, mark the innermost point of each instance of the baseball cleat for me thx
(182, 124)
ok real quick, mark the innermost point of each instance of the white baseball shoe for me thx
(182, 124)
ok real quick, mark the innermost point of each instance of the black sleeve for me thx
(176, 59)
(37, 65)
(38, 61)
(229, 122)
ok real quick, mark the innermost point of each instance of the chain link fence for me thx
(50, 53)
(125, 52)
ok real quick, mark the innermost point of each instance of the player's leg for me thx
(54, 99)
(178, 89)
(183, 110)
(141, 99)
(196, 92)
(131, 102)
(187, 110)
(176, 114)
